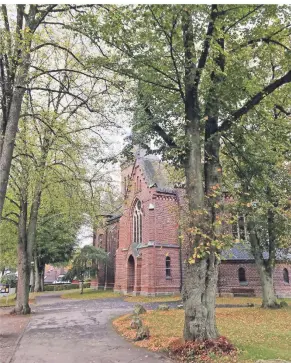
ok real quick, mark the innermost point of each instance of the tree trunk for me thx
(268, 292)
(200, 282)
(8, 142)
(37, 277)
(32, 280)
(42, 280)
(199, 292)
(264, 267)
(22, 301)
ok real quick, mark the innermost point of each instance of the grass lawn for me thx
(89, 294)
(11, 300)
(257, 333)
(7, 301)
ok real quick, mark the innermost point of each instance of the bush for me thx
(10, 279)
(87, 285)
(60, 287)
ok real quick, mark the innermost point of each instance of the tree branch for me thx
(255, 100)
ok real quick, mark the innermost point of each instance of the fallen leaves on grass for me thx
(206, 351)
(256, 332)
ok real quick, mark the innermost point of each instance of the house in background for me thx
(144, 246)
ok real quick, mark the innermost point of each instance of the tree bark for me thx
(200, 282)
(8, 142)
(22, 301)
(268, 292)
(42, 279)
(37, 277)
(264, 267)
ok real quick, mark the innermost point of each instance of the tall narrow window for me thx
(137, 223)
(286, 275)
(242, 275)
(100, 240)
(168, 266)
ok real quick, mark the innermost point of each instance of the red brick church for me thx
(144, 246)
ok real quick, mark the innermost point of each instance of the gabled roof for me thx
(155, 173)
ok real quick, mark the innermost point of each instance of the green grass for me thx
(257, 333)
(89, 294)
(7, 301)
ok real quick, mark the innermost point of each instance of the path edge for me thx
(9, 359)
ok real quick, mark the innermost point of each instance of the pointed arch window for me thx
(286, 276)
(137, 223)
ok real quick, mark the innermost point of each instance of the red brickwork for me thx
(140, 268)
(228, 281)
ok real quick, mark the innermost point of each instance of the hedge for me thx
(60, 287)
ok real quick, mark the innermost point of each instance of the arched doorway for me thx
(130, 274)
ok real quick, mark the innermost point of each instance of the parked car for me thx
(60, 280)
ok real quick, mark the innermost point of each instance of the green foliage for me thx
(61, 287)
(86, 261)
(144, 43)
(8, 245)
(56, 238)
(10, 279)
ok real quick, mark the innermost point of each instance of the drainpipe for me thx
(180, 255)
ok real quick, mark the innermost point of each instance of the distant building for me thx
(145, 253)
(51, 273)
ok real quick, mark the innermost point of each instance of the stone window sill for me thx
(243, 283)
(168, 277)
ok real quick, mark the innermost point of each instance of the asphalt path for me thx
(79, 331)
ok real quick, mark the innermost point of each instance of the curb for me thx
(9, 360)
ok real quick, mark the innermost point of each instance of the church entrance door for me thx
(130, 274)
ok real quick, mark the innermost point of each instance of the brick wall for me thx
(228, 278)
(160, 239)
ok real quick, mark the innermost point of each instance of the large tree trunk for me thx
(264, 267)
(22, 301)
(9, 137)
(268, 292)
(199, 288)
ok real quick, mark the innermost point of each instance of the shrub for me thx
(9, 279)
(283, 304)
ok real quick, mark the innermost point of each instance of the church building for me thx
(144, 246)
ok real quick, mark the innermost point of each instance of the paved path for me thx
(79, 331)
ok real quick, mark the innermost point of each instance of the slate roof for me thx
(243, 252)
(156, 174)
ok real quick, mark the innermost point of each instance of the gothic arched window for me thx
(137, 223)
(242, 275)
(168, 266)
(286, 275)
